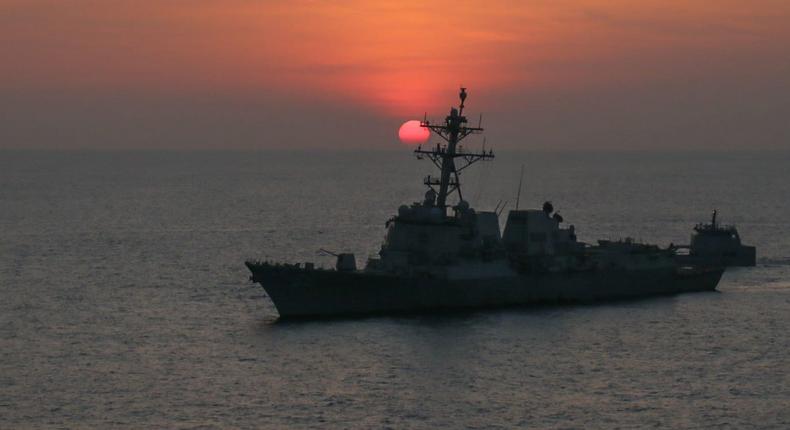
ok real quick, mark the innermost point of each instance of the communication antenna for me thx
(520, 180)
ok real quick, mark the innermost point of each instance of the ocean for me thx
(125, 303)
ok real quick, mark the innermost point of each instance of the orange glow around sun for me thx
(397, 59)
(411, 133)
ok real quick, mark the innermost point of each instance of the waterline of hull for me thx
(298, 292)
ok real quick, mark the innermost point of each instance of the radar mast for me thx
(453, 131)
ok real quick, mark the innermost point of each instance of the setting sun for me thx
(411, 133)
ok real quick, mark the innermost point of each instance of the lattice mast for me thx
(453, 131)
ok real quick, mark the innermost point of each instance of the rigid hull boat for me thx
(717, 245)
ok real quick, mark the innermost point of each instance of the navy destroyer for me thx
(438, 255)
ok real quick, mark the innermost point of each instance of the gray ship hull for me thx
(299, 292)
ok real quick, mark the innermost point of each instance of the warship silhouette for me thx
(441, 256)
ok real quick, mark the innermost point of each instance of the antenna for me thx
(480, 122)
(462, 96)
(520, 180)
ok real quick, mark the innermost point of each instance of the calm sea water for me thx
(124, 301)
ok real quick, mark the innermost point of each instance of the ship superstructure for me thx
(430, 235)
(438, 255)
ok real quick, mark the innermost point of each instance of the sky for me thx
(254, 74)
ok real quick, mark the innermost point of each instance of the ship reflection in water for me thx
(442, 256)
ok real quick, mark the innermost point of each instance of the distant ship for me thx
(441, 256)
(717, 245)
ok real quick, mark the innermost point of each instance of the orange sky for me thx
(221, 61)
